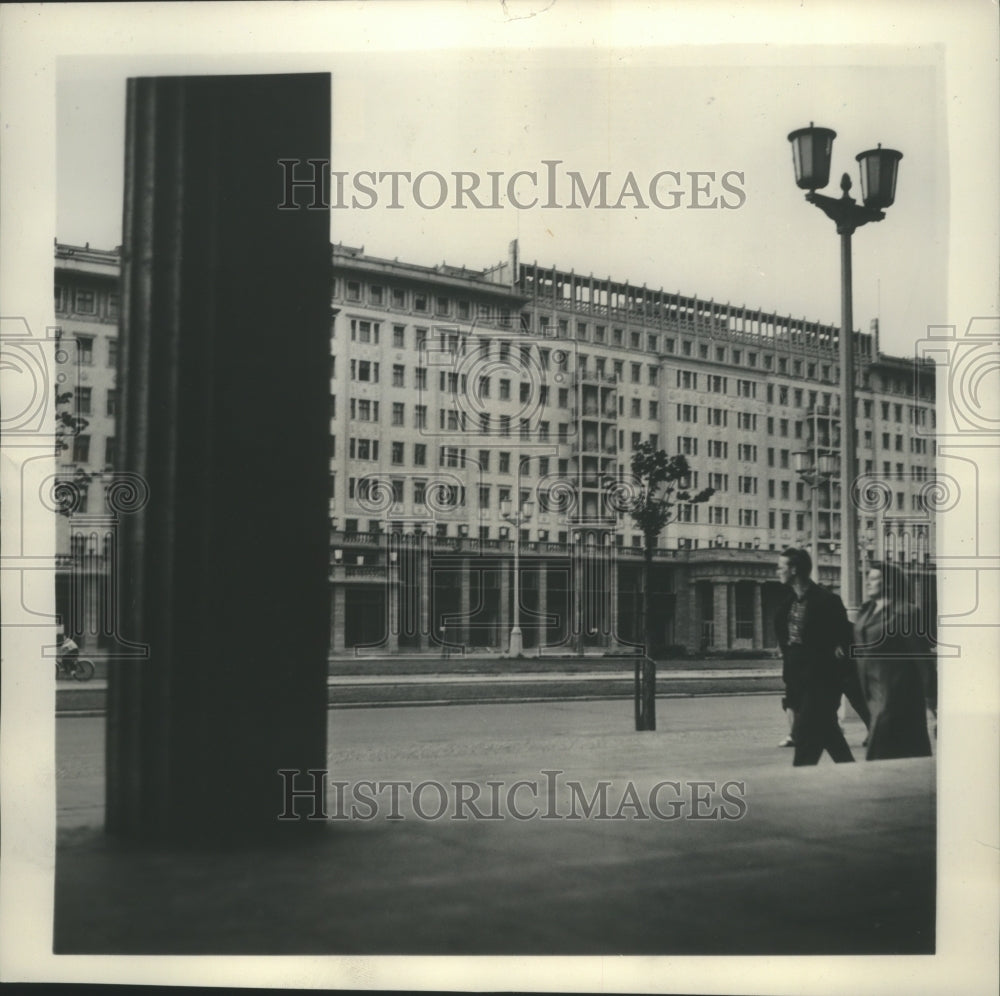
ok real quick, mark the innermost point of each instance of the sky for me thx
(725, 109)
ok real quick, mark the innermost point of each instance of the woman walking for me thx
(891, 659)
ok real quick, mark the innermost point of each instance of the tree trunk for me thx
(645, 672)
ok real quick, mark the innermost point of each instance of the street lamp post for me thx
(815, 475)
(811, 152)
(516, 519)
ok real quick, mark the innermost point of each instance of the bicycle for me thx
(77, 668)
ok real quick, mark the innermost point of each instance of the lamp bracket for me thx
(844, 211)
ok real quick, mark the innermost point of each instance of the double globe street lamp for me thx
(815, 476)
(811, 152)
(516, 519)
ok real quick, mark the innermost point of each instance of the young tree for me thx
(661, 482)
(69, 424)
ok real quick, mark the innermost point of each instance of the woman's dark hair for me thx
(895, 587)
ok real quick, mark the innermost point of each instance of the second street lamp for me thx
(811, 152)
(815, 475)
(522, 515)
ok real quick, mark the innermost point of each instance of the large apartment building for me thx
(458, 397)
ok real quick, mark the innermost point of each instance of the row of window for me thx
(420, 301)
(82, 447)
(442, 306)
(84, 401)
(86, 301)
(84, 345)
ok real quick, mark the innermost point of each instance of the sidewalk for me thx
(837, 859)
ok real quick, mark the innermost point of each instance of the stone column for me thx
(686, 617)
(464, 604)
(720, 615)
(543, 604)
(338, 617)
(731, 614)
(505, 568)
(224, 360)
(392, 594)
(758, 616)
(425, 594)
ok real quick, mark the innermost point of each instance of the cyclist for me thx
(68, 653)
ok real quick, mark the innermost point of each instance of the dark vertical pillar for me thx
(224, 359)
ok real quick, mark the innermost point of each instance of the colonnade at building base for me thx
(465, 605)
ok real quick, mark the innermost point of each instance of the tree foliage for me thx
(69, 425)
(662, 483)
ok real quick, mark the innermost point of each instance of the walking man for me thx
(814, 636)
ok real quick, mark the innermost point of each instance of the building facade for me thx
(458, 397)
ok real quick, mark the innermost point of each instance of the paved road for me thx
(738, 734)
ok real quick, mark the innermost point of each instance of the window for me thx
(717, 416)
(688, 445)
(420, 454)
(746, 388)
(364, 332)
(654, 375)
(688, 380)
(563, 397)
(687, 512)
(504, 389)
(484, 460)
(86, 302)
(637, 408)
(81, 449)
(748, 485)
(718, 516)
(113, 353)
(720, 482)
(504, 462)
(419, 301)
(746, 451)
(718, 384)
(747, 421)
(109, 451)
(364, 370)
(484, 496)
(748, 517)
(112, 403)
(85, 349)
(718, 448)
(636, 372)
(636, 440)
(83, 400)
(353, 290)
(419, 492)
(420, 416)
(687, 413)
(654, 410)
(398, 375)
(504, 425)
(397, 413)
(397, 455)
